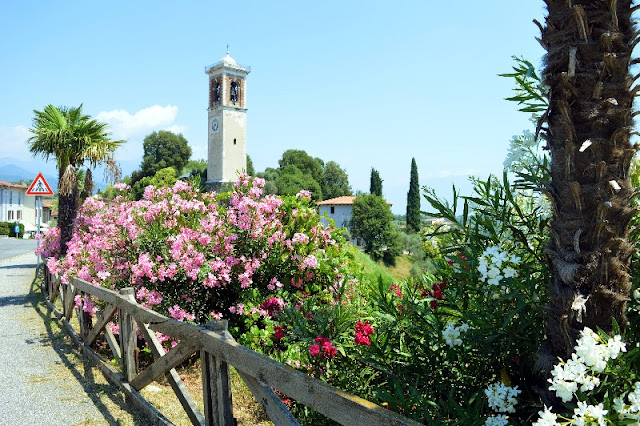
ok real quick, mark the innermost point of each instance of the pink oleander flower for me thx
(309, 262)
(304, 194)
(273, 305)
(180, 314)
(121, 186)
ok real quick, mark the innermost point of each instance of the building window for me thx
(10, 215)
(333, 210)
(10, 197)
(235, 92)
(19, 215)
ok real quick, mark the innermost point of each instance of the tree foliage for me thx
(291, 180)
(371, 220)
(375, 186)
(164, 149)
(73, 139)
(335, 182)
(414, 220)
(304, 162)
(251, 171)
(164, 178)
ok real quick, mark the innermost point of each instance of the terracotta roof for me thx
(46, 203)
(345, 200)
(13, 185)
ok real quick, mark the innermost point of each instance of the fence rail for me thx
(217, 350)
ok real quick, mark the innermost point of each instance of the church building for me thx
(227, 149)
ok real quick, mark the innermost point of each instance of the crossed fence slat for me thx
(217, 349)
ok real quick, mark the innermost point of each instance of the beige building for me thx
(227, 121)
(18, 207)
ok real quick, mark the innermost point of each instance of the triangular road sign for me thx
(39, 186)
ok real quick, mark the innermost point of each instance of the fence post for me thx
(216, 384)
(128, 339)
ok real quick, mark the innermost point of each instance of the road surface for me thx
(11, 247)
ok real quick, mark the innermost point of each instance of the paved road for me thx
(10, 247)
(42, 381)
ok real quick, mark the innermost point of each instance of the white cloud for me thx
(177, 129)
(13, 141)
(124, 125)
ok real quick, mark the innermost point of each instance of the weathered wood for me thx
(55, 284)
(101, 293)
(277, 411)
(116, 378)
(103, 318)
(128, 340)
(162, 365)
(216, 385)
(342, 407)
(183, 395)
(112, 342)
(70, 292)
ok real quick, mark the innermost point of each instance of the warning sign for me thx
(39, 186)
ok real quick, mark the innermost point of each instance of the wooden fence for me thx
(217, 350)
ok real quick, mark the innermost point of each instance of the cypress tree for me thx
(413, 200)
(376, 183)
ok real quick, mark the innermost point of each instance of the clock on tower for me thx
(227, 121)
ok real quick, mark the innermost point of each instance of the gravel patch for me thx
(44, 380)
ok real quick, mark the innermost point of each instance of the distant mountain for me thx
(13, 173)
(27, 171)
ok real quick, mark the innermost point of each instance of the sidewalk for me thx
(45, 380)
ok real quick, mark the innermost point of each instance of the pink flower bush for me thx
(196, 256)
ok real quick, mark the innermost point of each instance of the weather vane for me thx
(227, 48)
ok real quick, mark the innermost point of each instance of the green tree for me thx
(164, 149)
(414, 220)
(590, 120)
(73, 139)
(375, 187)
(335, 182)
(251, 171)
(270, 176)
(371, 220)
(303, 161)
(292, 180)
(162, 179)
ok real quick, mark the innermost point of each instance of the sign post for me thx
(39, 187)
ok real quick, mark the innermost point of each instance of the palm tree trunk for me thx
(67, 206)
(589, 45)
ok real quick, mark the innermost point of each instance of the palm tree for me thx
(589, 122)
(74, 139)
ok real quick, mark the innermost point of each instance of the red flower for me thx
(364, 328)
(434, 304)
(314, 350)
(396, 288)
(362, 339)
(278, 332)
(437, 294)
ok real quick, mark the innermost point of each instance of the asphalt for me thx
(40, 383)
(11, 247)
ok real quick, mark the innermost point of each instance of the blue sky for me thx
(365, 84)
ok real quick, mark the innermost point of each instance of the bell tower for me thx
(227, 121)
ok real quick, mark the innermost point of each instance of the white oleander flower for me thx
(499, 420)
(502, 398)
(589, 414)
(547, 418)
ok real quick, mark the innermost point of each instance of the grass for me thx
(401, 270)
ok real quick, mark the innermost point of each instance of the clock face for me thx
(215, 125)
